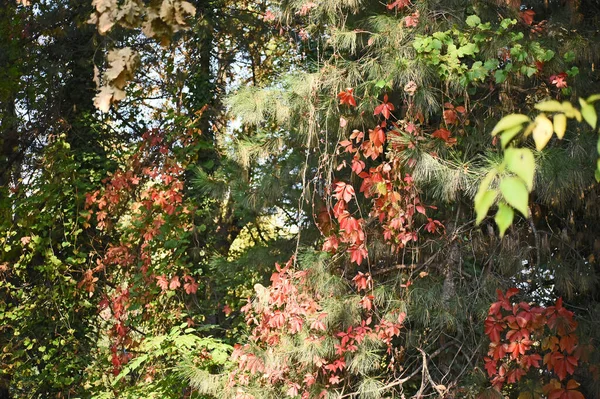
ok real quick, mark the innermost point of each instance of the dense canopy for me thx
(324, 199)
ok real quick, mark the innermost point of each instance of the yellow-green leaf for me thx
(542, 132)
(510, 121)
(483, 203)
(560, 125)
(593, 98)
(515, 192)
(550, 106)
(508, 135)
(589, 113)
(570, 111)
(521, 162)
(504, 217)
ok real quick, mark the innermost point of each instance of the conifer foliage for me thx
(263, 199)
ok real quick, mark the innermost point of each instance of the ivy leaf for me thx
(520, 161)
(504, 217)
(515, 192)
(473, 20)
(560, 125)
(510, 121)
(542, 132)
(589, 113)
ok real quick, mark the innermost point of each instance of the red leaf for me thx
(162, 282)
(384, 108)
(398, 4)
(527, 16)
(450, 116)
(174, 283)
(346, 97)
(344, 191)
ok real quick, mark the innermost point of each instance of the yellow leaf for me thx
(560, 125)
(509, 121)
(103, 98)
(542, 132)
(550, 106)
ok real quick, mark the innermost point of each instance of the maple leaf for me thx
(398, 4)
(357, 166)
(562, 364)
(444, 134)
(450, 116)
(367, 302)
(410, 88)
(362, 281)
(528, 361)
(490, 366)
(334, 379)
(174, 283)
(377, 136)
(269, 16)
(568, 343)
(560, 80)
(384, 108)
(162, 282)
(346, 97)
(555, 390)
(309, 379)
(191, 287)
(411, 21)
(527, 16)
(433, 225)
(331, 244)
(344, 191)
(493, 328)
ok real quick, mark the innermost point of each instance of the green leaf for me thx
(491, 64)
(483, 204)
(500, 76)
(510, 121)
(589, 113)
(515, 192)
(473, 20)
(506, 23)
(548, 55)
(521, 162)
(504, 217)
(569, 56)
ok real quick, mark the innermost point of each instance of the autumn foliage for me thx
(525, 338)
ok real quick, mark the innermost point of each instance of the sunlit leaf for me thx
(589, 113)
(504, 217)
(560, 125)
(510, 121)
(514, 191)
(521, 162)
(542, 132)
